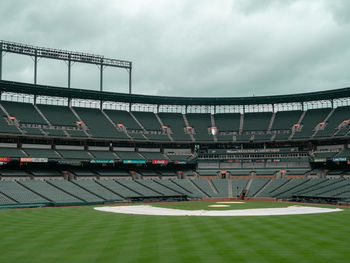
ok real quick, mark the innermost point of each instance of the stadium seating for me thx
(178, 157)
(283, 191)
(41, 153)
(262, 137)
(13, 173)
(54, 132)
(25, 113)
(129, 155)
(124, 118)
(99, 126)
(63, 192)
(118, 188)
(188, 187)
(205, 187)
(339, 115)
(238, 185)
(148, 120)
(5, 127)
(98, 190)
(5, 201)
(221, 186)
(112, 173)
(311, 119)
(201, 122)
(226, 122)
(284, 120)
(272, 186)
(58, 115)
(75, 190)
(139, 188)
(175, 122)
(344, 153)
(154, 156)
(20, 194)
(257, 121)
(50, 192)
(146, 173)
(74, 154)
(32, 131)
(103, 154)
(157, 187)
(256, 186)
(82, 172)
(42, 172)
(243, 137)
(77, 133)
(11, 152)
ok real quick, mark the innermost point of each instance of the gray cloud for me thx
(188, 48)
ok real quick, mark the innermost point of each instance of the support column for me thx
(35, 72)
(35, 67)
(1, 61)
(101, 77)
(69, 71)
(130, 80)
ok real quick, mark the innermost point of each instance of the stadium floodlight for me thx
(68, 56)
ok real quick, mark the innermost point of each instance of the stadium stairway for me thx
(187, 125)
(162, 125)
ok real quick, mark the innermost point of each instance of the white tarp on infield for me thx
(160, 211)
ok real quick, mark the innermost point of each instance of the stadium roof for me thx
(18, 87)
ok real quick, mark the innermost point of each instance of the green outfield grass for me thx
(81, 234)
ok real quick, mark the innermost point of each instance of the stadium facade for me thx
(61, 146)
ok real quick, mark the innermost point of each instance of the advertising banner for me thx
(339, 159)
(102, 161)
(320, 160)
(134, 161)
(160, 161)
(70, 162)
(180, 162)
(33, 160)
(4, 159)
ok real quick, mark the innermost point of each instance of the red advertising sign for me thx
(160, 161)
(4, 159)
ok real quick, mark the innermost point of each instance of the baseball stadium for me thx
(100, 176)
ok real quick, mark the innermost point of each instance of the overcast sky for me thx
(187, 48)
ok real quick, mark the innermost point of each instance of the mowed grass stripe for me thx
(81, 234)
